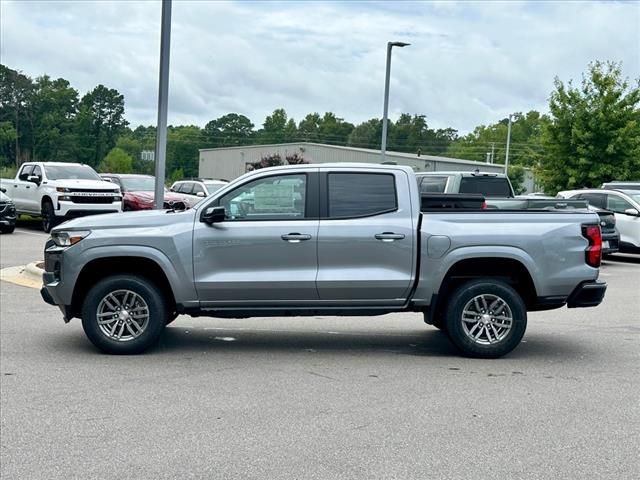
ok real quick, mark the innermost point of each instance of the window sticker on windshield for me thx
(273, 198)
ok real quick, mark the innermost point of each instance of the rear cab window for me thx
(487, 186)
(433, 184)
(353, 195)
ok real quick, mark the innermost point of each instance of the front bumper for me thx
(587, 294)
(54, 291)
(71, 209)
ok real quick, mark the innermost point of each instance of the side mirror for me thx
(632, 212)
(34, 179)
(200, 194)
(3, 190)
(213, 215)
(172, 189)
(107, 179)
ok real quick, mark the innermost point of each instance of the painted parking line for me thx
(29, 232)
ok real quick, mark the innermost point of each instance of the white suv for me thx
(201, 187)
(625, 204)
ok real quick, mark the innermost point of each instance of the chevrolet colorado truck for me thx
(330, 239)
(59, 191)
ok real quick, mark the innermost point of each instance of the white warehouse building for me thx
(231, 162)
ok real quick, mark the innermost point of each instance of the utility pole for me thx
(506, 154)
(493, 152)
(385, 113)
(163, 96)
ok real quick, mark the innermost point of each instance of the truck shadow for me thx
(423, 342)
(426, 342)
(621, 258)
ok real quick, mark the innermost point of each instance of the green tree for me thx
(309, 128)
(54, 106)
(183, 144)
(16, 107)
(594, 132)
(274, 127)
(367, 134)
(116, 161)
(100, 122)
(516, 176)
(526, 141)
(334, 130)
(228, 130)
(8, 136)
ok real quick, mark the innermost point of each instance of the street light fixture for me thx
(385, 113)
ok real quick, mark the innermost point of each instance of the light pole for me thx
(385, 113)
(506, 153)
(163, 94)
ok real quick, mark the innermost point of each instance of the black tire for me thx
(486, 326)
(7, 229)
(156, 319)
(49, 219)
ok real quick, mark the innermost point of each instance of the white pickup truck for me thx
(59, 191)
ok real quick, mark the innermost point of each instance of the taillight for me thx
(593, 253)
(484, 205)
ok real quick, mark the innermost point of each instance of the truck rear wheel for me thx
(124, 314)
(486, 318)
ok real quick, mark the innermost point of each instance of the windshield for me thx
(71, 172)
(214, 187)
(635, 196)
(138, 184)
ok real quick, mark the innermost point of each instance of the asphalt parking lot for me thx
(381, 397)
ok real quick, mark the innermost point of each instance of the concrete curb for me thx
(25, 275)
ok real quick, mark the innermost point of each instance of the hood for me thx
(88, 184)
(136, 219)
(4, 198)
(149, 196)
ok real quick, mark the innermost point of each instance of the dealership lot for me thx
(380, 397)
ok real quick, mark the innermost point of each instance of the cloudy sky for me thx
(469, 62)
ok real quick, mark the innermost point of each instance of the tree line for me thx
(590, 135)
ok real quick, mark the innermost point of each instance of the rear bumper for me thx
(587, 294)
(612, 245)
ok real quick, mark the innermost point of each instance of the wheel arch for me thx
(509, 270)
(102, 267)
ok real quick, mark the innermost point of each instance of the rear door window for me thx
(361, 194)
(487, 186)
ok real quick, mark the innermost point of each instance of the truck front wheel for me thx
(486, 318)
(49, 219)
(124, 314)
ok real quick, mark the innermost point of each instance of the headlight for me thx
(62, 189)
(68, 238)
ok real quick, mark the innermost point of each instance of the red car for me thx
(138, 192)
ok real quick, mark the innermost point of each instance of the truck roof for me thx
(464, 174)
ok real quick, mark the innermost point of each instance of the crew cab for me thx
(328, 239)
(59, 191)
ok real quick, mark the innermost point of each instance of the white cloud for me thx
(469, 63)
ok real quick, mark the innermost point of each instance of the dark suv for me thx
(7, 213)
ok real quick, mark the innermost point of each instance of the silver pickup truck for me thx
(344, 239)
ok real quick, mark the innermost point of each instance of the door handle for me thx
(295, 237)
(28, 186)
(389, 236)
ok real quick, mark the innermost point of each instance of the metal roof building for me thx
(231, 162)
